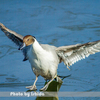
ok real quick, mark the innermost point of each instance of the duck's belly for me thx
(44, 63)
(46, 68)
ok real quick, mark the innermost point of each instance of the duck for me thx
(45, 58)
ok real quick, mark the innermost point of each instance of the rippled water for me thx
(55, 22)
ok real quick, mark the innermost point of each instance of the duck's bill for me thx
(22, 46)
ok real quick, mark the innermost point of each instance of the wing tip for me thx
(3, 28)
(1, 25)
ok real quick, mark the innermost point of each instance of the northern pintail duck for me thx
(44, 59)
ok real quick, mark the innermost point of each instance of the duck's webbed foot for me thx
(33, 87)
(46, 86)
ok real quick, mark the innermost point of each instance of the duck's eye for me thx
(27, 39)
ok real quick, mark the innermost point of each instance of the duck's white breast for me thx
(43, 62)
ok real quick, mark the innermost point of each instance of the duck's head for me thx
(27, 40)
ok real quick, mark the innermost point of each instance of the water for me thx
(55, 22)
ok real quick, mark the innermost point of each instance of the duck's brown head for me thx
(27, 40)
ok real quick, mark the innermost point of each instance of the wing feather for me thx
(15, 37)
(72, 54)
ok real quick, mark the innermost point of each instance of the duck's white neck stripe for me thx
(36, 46)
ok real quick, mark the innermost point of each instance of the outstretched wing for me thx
(15, 37)
(73, 53)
